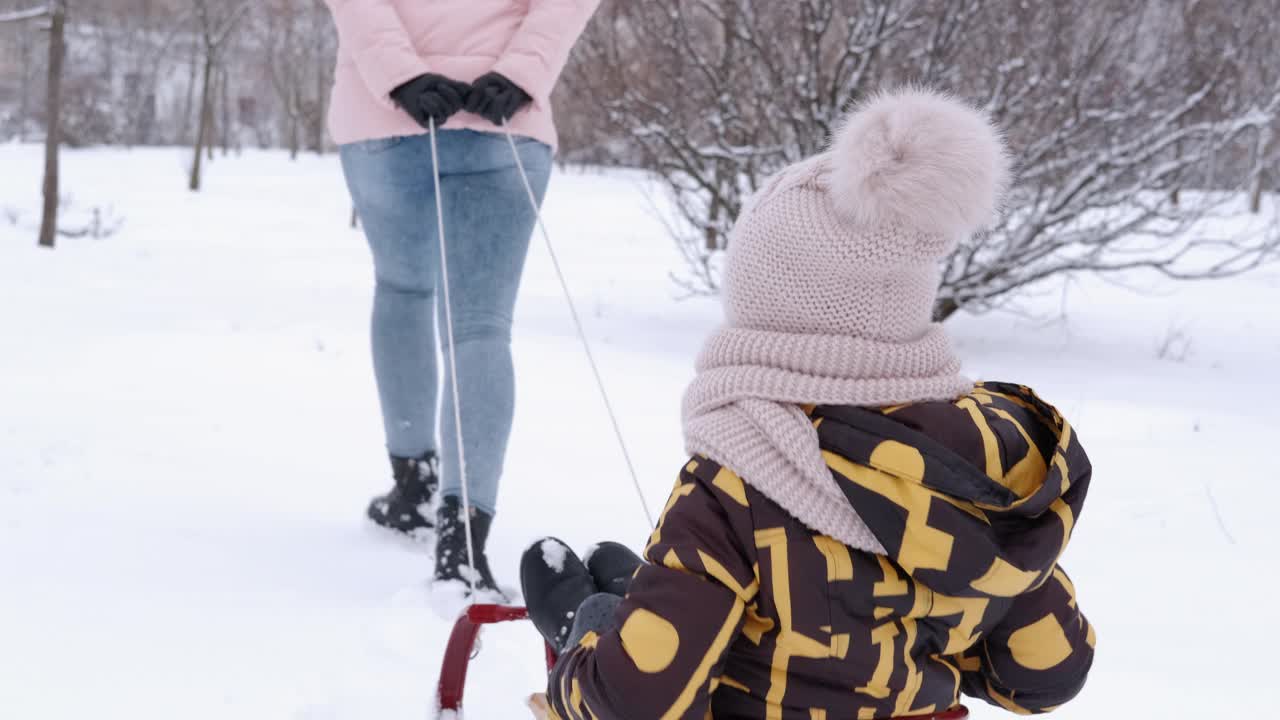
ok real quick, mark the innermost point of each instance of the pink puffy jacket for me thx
(385, 43)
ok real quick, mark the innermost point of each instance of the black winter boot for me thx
(612, 565)
(451, 551)
(555, 583)
(407, 508)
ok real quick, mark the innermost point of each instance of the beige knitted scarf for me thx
(743, 410)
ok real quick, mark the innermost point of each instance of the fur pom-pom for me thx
(919, 158)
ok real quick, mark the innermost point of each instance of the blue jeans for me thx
(488, 223)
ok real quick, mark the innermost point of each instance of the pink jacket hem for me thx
(385, 43)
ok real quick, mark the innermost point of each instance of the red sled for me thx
(461, 648)
(462, 643)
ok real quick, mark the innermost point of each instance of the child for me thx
(862, 532)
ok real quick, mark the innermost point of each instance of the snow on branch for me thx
(23, 15)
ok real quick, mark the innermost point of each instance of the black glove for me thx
(431, 97)
(495, 98)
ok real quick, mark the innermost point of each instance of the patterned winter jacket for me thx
(745, 614)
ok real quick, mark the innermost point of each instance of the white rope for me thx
(577, 321)
(453, 361)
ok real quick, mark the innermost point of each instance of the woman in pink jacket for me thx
(474, 69)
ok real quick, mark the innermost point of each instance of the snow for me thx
(189, 436)
(554, 554)
(591, 550)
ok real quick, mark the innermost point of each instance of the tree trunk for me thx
(203, 130)
(945, 308)
(225, 101)
(211, 126)
(295, 132)
(711, 235)
(322, 105)
(1255, 198)
(53, 131)
(24, 91)
(190, 99)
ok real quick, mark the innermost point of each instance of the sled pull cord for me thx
(577, 322)
(453, 360)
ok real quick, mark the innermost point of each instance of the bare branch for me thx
(24, 15)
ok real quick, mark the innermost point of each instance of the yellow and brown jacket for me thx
(745, 614)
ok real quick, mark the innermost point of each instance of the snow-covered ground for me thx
(189, 433)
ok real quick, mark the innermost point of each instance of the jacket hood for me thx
(973, 498)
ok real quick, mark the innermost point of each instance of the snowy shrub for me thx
(1115, 110)
(1176, 345)
(95, 223)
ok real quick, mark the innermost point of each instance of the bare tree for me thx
(137, 74)
(216, 20)
(27, 46)
(56, 12)
(1268, 166)
(715, 95)
(53, 128)
(299, 44)
(1262, 70)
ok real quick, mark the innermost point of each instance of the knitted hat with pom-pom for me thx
(829, 290)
